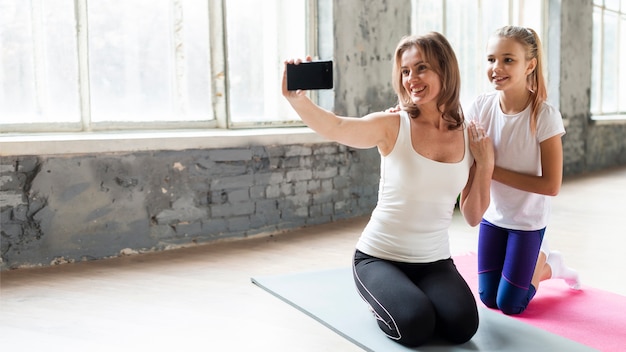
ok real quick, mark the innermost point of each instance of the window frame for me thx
(220, 100)
(312, 45)
(598, 114)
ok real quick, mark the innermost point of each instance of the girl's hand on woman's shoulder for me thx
(392, 109)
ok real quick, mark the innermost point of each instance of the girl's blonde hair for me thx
(438, 53)
(535, 81)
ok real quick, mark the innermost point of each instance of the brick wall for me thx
(63, 209)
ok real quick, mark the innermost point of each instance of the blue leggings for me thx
(413, 302)
(506, 264)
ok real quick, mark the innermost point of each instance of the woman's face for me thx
(420, 81)
(507, 66)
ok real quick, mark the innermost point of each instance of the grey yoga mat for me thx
(330, 297)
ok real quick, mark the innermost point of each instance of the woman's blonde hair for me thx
(438, 53)
(535, 81)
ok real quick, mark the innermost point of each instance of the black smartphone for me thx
(310, 75)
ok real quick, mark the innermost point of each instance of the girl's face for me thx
(418, 79)
(507, 67)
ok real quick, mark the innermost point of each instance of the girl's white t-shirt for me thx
(416, 200)
(516, 149)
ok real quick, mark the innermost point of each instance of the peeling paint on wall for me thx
(20, 207)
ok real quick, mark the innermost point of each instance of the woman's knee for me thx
(460, 325)
(415, 326)
(463, 332)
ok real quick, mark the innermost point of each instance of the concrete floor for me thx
(201, 298)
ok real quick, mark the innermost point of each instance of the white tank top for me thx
(416, 199)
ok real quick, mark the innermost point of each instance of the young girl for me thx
(526, 132)
(402, 264)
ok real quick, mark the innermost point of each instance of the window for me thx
(38, 67)
(261, 35)
(608, 77)
(468, 24)
(84, 65)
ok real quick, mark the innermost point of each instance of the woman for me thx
(402, 263)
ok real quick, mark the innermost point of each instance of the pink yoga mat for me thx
(593, 317)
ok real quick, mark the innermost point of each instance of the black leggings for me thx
(414, 302)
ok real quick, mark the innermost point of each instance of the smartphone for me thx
(310, 75)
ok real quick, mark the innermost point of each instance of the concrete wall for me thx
(365, 41)
(71, 207)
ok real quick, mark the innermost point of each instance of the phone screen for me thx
(310, 75)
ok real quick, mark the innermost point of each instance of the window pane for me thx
(622, 57)
(609, 52)
(260, 36)
(608, 90)
(197, 71)
(596, 60)
(532, 15)
(38, 69)
(149, 60)
(428, 16)
(612, 4)
(493, 15)
(462, 31)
